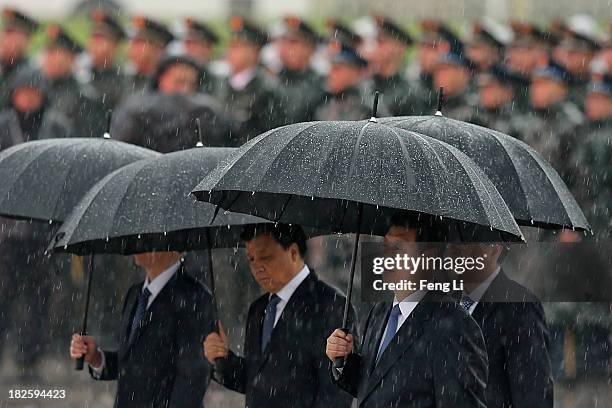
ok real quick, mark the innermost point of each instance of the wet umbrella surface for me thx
(534, 192)
(45, 179)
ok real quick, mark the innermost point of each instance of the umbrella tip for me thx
(109, 116)
(200, 143)
(440, 101)
(375, 107)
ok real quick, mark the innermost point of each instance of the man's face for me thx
(453, 78)
(342, 77)
(151, 260)
(482, 54)
(575, 60)
(598, 106)
(295, 53)
(199, 50)
(242, 55)
(487, 254)
(524, 59)
(429, 53)
(387, 50)
(271, 265)
(27, 100)
(399, 241)
(545, 92)
(181, 79)
(57, 63)
(13, 44)
(494, 95)
(102, 50)
(142, 52)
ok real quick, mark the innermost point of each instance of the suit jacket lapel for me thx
(373, 342)
(152, 310)
(489, 300)
(407, 334)
(291, 314)
(128, 315)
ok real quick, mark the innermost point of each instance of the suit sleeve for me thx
(350, 376)
(461, 366)
(110, 370)
(192, 369)
(329, 394)
(527, 358)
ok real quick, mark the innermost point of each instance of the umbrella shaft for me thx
(88, 294)
(349, 289)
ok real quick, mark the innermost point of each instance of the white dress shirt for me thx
(406, 306)
(240, 80)
(477, 293)
(155, 286)
(287, 291)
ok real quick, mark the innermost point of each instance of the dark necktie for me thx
(268, 323)
(467, 303)
(143, 301)
(391, 329)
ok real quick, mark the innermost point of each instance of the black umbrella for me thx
(43, 180)
(534, 192)
(351, 176)
(146, 207)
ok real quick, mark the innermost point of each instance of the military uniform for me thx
(299, 95)
(8, 69)
(348, 105)
(156, 34)
(551, 133)
(496, 119)
(461, 105)
(196, 31)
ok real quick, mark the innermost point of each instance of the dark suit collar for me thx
(160, 301)
(490, 299)
(408, 333)
(303, 295)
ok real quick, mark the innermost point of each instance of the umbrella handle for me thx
(338, 364)
(80, 362)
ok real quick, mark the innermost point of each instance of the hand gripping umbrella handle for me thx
(80, 362)
(339, 362)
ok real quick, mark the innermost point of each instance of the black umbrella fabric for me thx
(352, 176)
(44, 180)
(534, 192)
(146, 206)
(318, 174)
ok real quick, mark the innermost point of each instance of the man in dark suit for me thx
(165, 319)
(283, 364)
(421, 351)
(514, 328)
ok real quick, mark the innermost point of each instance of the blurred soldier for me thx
(497, 90)
(25, 286)
(17, 31)
(199, 43)
(486, 47)
(105, 76)
(523, 55)
(147, 46)
(300, 89)
(164, 321)
(282, 363)
(65, 93)
(593, 159)
(575, 52)
(453, 73)
(248, 96)
(163, 117)
(29, 117)
(436, 40)
(345, 99)
(552, 125)
(387, 62)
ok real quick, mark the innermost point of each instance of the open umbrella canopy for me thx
(534, 192)
(320, 173)
(44, 180)
(146, 206)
